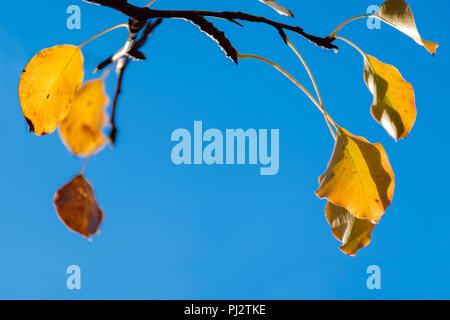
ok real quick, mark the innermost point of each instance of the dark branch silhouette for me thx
(138, 24)
(120, 71)
(122, 58)
(143, 14)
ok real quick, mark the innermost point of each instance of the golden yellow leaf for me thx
(77, 208)
(398, 14)
(278, 8)
(359, 177)
(81, 130)
(354, 233)
(48, 85)
(394, 103)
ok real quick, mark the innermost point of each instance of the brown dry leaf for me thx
(354, 233)
(48, 86)
(359, 177)
(77, 207)
(394, 103)
(398, 14)
(81, 130)
(278, 8)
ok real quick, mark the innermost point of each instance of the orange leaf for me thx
(394, 104)
(398, 14)
(48, 86)
(354, 233)
(77, 208)
(359, 177)
(81, 130)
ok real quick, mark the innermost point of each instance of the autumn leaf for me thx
(394, 103)
(81, 130)
(48, 86)
(359, 177)
(77, 207)
(354, 233)
(398, 14)
(278, 8)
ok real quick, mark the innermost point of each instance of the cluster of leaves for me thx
(358, 183)
(51, 95)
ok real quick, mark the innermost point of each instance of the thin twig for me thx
(146, 33)
(122, 65)
(122, 57)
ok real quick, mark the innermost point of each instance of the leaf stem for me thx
(307, 69)
(150, 3)
(293, 80)
(333, 35)
(85, 163)
(351, 44)
(316, 88)
(102, 33)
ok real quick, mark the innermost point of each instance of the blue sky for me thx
(224, 232)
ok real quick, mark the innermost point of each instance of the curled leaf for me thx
(398, 14)
(217, 35)
(354, 233)
(77, 207)
(394, 103)
(48, 86)
(359, 177)
(81, 130)
(278, 8)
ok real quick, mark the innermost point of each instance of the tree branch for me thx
(122, 59)
(120, 70)
(142, 14)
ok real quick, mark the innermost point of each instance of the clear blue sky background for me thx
(224, 232)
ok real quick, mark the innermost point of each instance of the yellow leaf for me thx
(398, 14)
(77, 208)
(359, 177)
(354, 233)
(48, 85)
(278, 8)
(81, 130)
(394, 103)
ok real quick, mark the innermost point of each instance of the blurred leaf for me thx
(280, 9)
(398, 14)
(394, 103)
(81, 130)
(48, 85)
(354, 233)
(77, 208)
(359, 177)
